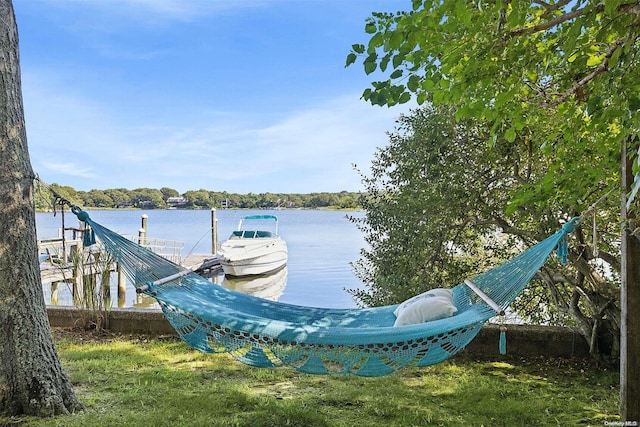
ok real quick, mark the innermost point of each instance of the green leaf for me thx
(351, 58)
(502, 98)
(370, 63)
(376, 41)
(413, 83)
(398, 59)
(512, 206)
(384, 63)
(404, 98)
(611, 6)
(571, 38)
(358, 48)
(428, 85)
(382, 97)
(369, 67)
(510, 134)
(396, 40)
(594, 60)
(438, 96)
(615, 56)
(370, 28)
(396, 74)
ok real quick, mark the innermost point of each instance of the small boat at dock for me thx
(250, 251)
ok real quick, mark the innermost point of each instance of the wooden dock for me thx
(65, 260)
(60, 265)
(60, 260)
(206, 265)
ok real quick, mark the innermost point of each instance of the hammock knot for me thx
(570, 226)
(82, 215)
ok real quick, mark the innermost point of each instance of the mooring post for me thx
(122, 287)
(214, 231)
(142, 233)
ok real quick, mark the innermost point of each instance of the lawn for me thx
(159, 381)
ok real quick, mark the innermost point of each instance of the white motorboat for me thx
(250, 251)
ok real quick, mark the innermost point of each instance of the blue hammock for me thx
(363, 342)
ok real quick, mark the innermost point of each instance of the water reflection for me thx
(268, 286)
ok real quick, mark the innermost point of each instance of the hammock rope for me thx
(316, 340)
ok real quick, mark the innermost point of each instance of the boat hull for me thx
(246, 257)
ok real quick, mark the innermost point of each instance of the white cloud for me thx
(303, 151)
(70, 169)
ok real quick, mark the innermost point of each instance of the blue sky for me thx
(226, 95)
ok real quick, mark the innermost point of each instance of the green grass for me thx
(138, 381)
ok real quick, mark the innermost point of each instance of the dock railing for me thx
(170, 249)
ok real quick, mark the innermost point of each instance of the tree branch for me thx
(545, 25)
(595, 73)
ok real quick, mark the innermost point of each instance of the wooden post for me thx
(78, 273)
(629, 303)
(122, 287)
(214, 231)
(145, 220)
(142, 233)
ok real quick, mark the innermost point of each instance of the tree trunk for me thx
(629, 303)
(32, 380)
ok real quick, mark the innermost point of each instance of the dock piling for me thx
(214, 232)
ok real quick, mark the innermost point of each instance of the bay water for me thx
(322, 244)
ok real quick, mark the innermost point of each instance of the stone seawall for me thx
(522, 340)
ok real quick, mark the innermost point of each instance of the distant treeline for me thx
(164, 198)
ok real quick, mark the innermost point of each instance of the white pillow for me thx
(425, 310)
(437, 292)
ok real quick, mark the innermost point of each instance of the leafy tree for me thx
(561, 74)
(99, 199)
(118, 195)
(32, 380)
(169, 192)
(199, 199)
(147, 197)
(435, 205)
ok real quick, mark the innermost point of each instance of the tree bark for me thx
(32, 380)
(629, 304)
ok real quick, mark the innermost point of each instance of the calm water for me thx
(321, 244)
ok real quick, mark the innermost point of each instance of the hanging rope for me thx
(88, 237)
(592, 209)
(597, 202)
(563, 246)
